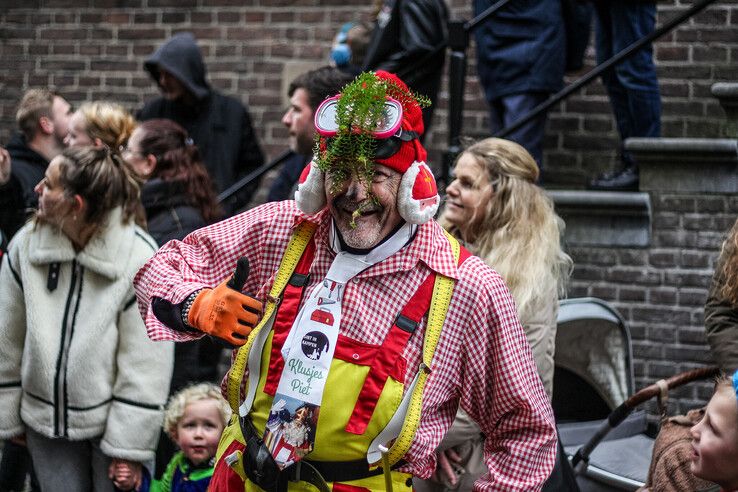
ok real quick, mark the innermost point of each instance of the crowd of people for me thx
(366, 332)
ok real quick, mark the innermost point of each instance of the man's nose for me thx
(356, 189)
(451, 189)
(287, 118)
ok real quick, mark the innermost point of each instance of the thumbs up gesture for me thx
(225, 312)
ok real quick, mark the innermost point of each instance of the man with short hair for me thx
(374, 319)
(43, 120)
(306, 93)
(219, 125)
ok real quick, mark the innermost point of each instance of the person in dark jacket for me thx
(409, 39)
(43, 120)
(178, 197)
(306, 93)
(219, 125)
(521, 60)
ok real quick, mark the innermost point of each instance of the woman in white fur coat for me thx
(79, 379)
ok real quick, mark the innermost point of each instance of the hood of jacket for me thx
(20, 151)
(181, 57)
(106, 253)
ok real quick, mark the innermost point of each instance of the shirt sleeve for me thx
(139, 392)
(484, 364)
(204, 259)
(502, 392)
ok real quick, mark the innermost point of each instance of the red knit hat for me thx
(417, 199)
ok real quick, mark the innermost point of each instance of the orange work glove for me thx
(225, 312)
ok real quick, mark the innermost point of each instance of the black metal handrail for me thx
(458, 42)
(457, 73)
(257, 173)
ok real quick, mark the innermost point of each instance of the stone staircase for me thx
(667, 165)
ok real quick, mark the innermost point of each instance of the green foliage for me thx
(358, 111)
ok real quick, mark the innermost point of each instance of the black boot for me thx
(625, 179)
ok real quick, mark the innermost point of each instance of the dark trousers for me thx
(509, 109)
(632, 85)
(15, 466)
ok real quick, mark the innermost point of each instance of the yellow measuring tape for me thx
(298, 242)
(442, 291)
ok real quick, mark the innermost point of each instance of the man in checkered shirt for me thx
(482, 361)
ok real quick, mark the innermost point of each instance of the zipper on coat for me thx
(67, 332)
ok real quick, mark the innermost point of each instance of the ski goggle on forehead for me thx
(386, 126)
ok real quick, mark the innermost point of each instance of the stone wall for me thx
(661, 290)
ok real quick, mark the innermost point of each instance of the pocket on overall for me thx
(357, 403)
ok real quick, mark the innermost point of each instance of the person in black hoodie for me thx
(178, 197)
(219, 125)
(43, 120)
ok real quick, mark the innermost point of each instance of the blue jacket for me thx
(521, 49)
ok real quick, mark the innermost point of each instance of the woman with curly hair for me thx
(100, 124)
(494, 206)
(721, 309)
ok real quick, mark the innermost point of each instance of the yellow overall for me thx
(362, 392)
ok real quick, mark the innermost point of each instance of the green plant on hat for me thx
(359, 109)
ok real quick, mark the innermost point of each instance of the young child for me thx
(715, 437)
(194, 419)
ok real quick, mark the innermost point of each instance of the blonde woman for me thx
(101, 124)
(494, 206)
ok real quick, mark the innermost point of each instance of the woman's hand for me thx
(448, 462)
(125, 474)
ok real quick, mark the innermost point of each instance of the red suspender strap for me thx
(463, 254)
(389, 353)
(286, 315)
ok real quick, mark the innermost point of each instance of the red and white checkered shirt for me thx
(482, 360)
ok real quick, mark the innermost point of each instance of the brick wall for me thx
(661, 290)
(95, 49)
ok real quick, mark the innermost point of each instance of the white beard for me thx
(295, 434)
